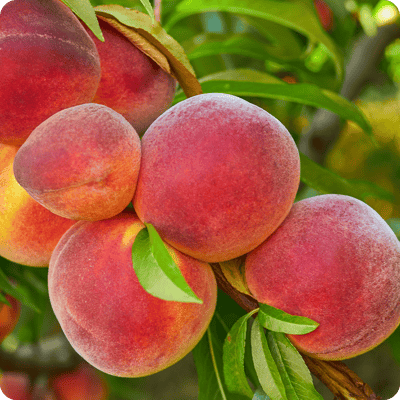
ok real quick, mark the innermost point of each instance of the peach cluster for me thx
(215, 175)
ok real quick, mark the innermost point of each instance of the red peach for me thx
(82, 383)
(336, 261)
(218, 176)
(105, 313)
(9, 316)
(47, 63)
(81, 163)
(131, 82)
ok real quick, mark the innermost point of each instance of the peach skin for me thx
(82, 163)
(336, 261)
(47, 63)
(105, 313)
(218, 176)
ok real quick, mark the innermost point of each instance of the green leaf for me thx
(278, 321)
(84, 10)
(298, 15)
(303, 93)
(326, 181)
(267, 370)
(284, 43)
(292, 368)
(233, 357)
(149, 9)
(19, 292)
(156, 269)
(208, 360)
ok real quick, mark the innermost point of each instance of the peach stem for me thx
(157, 10)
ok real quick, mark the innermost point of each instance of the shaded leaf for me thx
(233, 271)
(299, 16)
(233, 357)
(326, 182)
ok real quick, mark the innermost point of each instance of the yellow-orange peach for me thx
(336, 261)
(105, 313)
(47, 63)
(131, 82)
(28, 231)
(218, 176)
(81, 163)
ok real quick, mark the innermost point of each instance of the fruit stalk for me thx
(344, 383)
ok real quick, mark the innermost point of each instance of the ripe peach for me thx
(9, 316)
(28, 232)
(15, 385)
(82, 383)
(218, 176)
(81, 163)
(325, 14)
(336, 261)
(47, 63)
(131, 82)
(105, 313)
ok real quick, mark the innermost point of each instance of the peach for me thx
(28, 231)
(105, 313)
(15, 386)
(218, 176)
(9, 316)
(47, 63)
(325, 14)
(81, 163)
(131, 82)
(336, 261)
(82, 383)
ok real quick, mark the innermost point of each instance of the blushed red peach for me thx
(218, 176)
(81, 163)
(82, 383)
(15, 385)
(47, 63)
(131, 82)
(9, 316)
(105, 313)
(336, 261)
(28, 231)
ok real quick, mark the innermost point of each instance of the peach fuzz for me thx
(47, 63)
(105, 313)
(131, 82)
(82, 163)
(28, 232)
(9, 316)
(336, 261)
(218, 176)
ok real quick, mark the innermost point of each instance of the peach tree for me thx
(167, 189)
